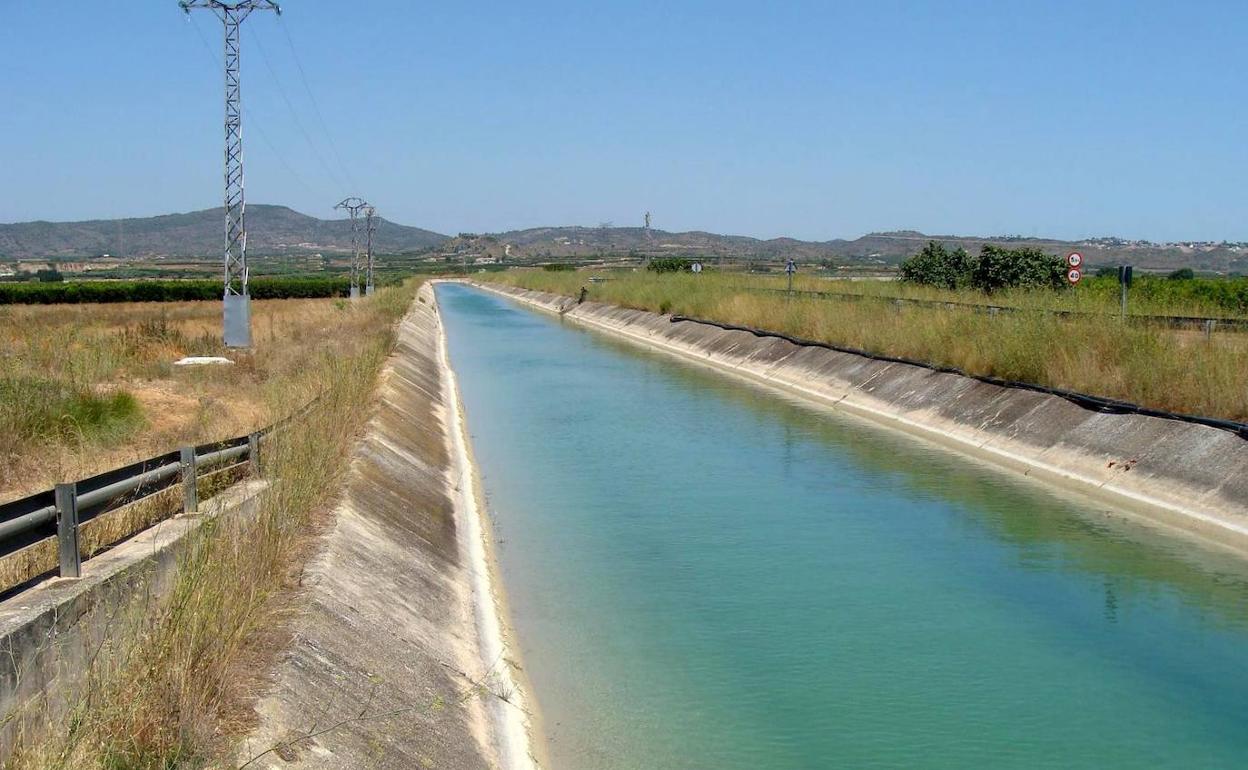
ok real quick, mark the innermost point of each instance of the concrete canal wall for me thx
(399, 659)
(1181, 475)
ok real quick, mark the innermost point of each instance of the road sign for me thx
(791, 267)
(1074, 259)
(1073, 275)
(696, 267)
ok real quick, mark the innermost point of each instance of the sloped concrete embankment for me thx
(1182, 475)
(398, 661)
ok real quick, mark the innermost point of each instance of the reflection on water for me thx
(704, 574)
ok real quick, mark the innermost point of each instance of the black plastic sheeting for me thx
(1091, 403)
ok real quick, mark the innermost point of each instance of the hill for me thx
(553, 243)
(278, 230)
(270, 230)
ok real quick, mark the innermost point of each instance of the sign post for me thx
(1124, 283)
(790, 268)
(1074, 263)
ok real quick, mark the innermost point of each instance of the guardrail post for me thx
(190, 476)
(67, 530)
(253, 452)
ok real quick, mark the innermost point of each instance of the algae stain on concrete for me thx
(702, 574)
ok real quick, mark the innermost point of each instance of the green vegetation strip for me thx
(165, 291)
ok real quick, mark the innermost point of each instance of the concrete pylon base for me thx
(237, 320)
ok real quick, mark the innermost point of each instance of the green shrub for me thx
(558, 267)
(937, 266)
(670, 265)
(1000, 268)
(1182, 274)
(995, 268)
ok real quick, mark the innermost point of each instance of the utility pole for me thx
(354, 206)
(648, 236)
(236, 316)
(370, 228)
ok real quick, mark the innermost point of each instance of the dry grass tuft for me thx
(84, 388)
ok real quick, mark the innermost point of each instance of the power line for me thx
(254, 122)
(320, 117)
(293, 114)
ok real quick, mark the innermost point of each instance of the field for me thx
(174, 684)
(1177, 370)
(85, 388)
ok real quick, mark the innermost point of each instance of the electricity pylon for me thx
(236, 301)
(354, 206)
(370, 228)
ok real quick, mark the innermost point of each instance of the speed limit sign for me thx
(1074, 259)
(1073, 275)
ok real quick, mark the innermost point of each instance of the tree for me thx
(937, 266)
(1000, 268)
(1182, 274)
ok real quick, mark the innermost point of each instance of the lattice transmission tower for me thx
(353, 206)
(370, 214)
(236, 315)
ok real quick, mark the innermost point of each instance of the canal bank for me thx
(400, 657)
(1190, 478)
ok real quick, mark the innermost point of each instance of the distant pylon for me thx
(371, 227)
(648, 225)
(236, 301)
(354, 206)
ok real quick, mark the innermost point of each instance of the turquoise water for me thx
(703, 574)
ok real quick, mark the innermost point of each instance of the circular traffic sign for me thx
(696, 267)
(1073, 275)
(1074, 259)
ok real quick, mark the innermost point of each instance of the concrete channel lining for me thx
(398, 648)
(1181, 475)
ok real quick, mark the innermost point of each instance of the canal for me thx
(705, 574)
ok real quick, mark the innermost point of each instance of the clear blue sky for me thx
(810, 119)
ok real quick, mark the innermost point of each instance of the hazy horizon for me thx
(454, 232)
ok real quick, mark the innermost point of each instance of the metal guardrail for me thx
(61, 511)
(1206, 324)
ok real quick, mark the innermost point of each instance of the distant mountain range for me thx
(270, 230)
(874, 249)
(275, 230)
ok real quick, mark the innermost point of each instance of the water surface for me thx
(703, 574)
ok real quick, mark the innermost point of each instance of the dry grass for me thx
(65, 366)
(1162, 368)
(173, 684)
